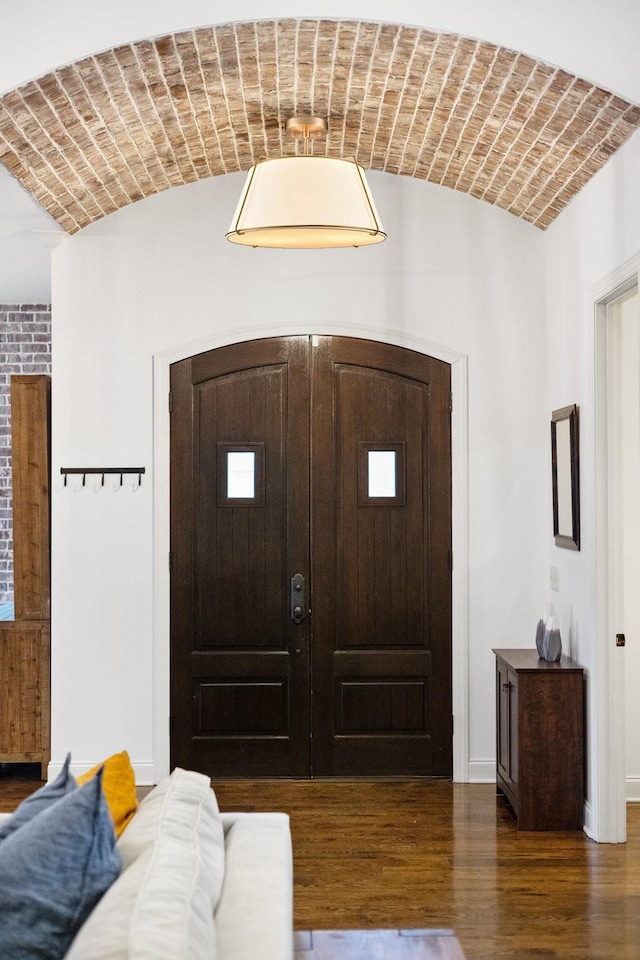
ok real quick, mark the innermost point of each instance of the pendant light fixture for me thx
(306, 201)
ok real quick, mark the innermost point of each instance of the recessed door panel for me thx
(240, 598)
(241, 708)
(380, 706)
(380, 538)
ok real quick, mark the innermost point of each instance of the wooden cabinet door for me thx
(30, 478)
(514, 740)
(507, 683)
(502, 713)
(349, 443)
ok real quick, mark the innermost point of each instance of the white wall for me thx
(25, 232)
(597, 233)
(587, 37)
(159, 275)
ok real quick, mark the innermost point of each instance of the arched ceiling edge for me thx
(94, 136)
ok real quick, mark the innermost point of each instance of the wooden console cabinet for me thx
(540, 739)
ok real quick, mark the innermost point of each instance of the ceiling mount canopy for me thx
(306, 202)
(306, 129)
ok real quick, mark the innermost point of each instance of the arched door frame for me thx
(459, 517)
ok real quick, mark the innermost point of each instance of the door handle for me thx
(298, 598)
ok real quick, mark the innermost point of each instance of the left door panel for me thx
(240, 465)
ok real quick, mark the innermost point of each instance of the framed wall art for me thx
(565, 469)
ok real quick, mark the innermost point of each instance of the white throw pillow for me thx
(162, 905)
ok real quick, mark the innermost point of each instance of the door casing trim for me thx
(605, 814)
(459, 516)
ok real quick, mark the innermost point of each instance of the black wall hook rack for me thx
(67, 471)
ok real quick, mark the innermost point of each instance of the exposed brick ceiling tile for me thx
(94, 136)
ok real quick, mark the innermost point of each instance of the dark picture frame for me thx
(565, 469)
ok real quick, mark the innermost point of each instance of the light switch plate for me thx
(554, 578)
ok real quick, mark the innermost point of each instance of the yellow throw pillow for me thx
(119, 785)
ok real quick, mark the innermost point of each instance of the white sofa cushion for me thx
(181, 805)
(254, 919)
(162, 905)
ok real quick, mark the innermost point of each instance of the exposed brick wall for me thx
(25, 347)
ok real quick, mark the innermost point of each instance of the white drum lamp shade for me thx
(306, 202)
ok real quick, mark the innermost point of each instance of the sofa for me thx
(194, 884)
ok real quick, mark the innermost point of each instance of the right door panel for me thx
(381, 522)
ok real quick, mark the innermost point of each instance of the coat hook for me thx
(103, 471)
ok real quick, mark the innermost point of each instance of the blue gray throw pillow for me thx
(64, 783)
(53, 871)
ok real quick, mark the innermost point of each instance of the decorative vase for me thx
(547, 613)
(552, 643)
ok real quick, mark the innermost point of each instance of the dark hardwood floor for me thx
(436, 854)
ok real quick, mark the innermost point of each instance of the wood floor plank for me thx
(434, 854)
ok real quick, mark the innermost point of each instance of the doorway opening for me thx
(311, 552)
(617, 420)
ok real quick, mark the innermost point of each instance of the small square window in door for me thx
(241, 480)
(381, 474)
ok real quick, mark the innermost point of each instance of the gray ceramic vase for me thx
(552, 643)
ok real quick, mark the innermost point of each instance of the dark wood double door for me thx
(310, 539)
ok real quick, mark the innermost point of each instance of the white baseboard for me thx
(144, 772)
(587, 816)
(482, 771)
(633, 789)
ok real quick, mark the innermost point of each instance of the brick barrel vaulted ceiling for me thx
(94, 136)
